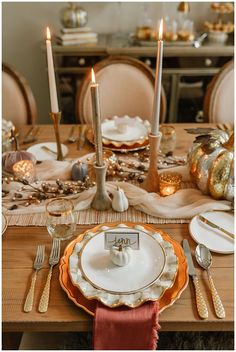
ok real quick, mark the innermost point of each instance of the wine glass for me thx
(61, 219)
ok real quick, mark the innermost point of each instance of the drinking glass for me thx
(61, 219)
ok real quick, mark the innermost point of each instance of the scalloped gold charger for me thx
(166, 300)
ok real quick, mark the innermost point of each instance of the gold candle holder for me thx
(24, 169)
(169, 183)
(56, 118)
(151, 183)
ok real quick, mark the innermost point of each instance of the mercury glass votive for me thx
(168, 140)
(169, 183)
(24, 169)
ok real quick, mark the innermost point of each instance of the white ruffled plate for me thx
(151, 271)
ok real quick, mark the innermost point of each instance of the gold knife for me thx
(211, 224)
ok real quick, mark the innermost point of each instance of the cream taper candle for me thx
(51, 75)
(157, 94)
(96, 120)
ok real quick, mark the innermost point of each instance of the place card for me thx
(125, 239)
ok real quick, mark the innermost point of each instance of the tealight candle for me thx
(24, 169)
(169, 183)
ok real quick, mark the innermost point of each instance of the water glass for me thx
(61, 219)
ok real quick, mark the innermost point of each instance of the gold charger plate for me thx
(169, 296)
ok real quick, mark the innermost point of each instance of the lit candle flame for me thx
(93, 76)
(48, 34)
(161, 30)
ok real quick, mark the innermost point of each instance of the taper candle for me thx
(51, 75)
(157, 94)
(96, 120)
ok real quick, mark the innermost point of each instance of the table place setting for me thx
(121, 269)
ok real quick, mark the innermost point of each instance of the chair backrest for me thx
(18, 103)
(126, 87)
(219, 98)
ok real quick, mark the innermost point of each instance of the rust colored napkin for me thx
(126, 328)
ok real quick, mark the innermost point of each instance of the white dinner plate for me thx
(145, 267)
(151, 271)
(42, 154)
(137, 129)
(212, 238)
(4, 223)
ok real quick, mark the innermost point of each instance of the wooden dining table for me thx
(19, 245)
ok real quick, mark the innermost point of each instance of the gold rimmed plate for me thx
(146, 265)
(170, 295)
(139, 285)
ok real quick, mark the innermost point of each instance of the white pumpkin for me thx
(119, 202)
(120, 256)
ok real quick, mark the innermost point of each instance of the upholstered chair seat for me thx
(18, 103)
(219, 99)
(126, 87)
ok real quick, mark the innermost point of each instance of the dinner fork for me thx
(31, 135)
(38, 264)
(53, 260)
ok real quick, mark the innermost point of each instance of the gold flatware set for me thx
(204, 259)
(38, 264)
(31, 135)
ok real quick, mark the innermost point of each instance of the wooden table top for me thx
(18, 251)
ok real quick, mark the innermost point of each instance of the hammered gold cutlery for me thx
(53, 260)
(214, 226)
(204, 259)
(31, 135)
(48, 150)
(201, 304)
(38, 264)
(72, 138)
(82, 137)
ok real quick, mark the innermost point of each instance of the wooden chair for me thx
(126, 87)
(18, 103)
(219, 98)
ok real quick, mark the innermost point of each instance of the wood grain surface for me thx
(19, 246)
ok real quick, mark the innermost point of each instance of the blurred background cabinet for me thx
(186, 72)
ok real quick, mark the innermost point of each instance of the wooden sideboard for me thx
(186, 71)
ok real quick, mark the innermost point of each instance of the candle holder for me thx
(24, 170)
(101, 199)
(151, 183)
(56, 118)
(169, 183)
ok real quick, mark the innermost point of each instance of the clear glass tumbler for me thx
(61, 219)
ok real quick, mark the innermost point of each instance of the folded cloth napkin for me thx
(126, 328)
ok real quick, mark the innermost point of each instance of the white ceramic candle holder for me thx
(101, 199)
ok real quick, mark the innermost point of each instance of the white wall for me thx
(23, 33)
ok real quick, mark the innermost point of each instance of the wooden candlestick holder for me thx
(56, 118)
(151, 183)
(101, 200)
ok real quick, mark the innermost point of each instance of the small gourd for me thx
(119, 202)
(79, 171)
(120, 255)
(12, 157)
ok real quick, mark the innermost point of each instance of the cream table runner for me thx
(144, 207)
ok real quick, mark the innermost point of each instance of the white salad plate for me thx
(134, 129)
(42, 154)
(4, 223)
(213, 238)
(151, 271)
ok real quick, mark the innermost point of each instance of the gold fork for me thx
(46, 149)
(53, 260)
(38, 264)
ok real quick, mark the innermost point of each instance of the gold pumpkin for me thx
(211, 164)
